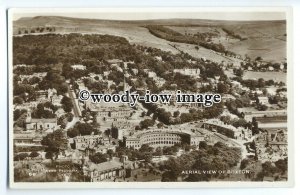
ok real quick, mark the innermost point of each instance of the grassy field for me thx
(206, 53)
(198, 29)
(276, 76)
(270, 49)
(137, 35)
(265, 39)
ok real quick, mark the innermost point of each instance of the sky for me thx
(141, 14)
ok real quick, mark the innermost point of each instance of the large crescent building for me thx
(164, 137)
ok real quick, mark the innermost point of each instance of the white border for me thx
(226, 184)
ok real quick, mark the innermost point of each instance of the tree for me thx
(110, 153)
(41, 112)
(20, 156)
(226, 119)
(186, 117)
(114, 132)
(169, 176)
(202, 144)
(158, 151)
(163, 115)
(282, 164)
(34, 154)
(55, 142)
(143, 114)
(18, 100)
(146, 123)
(160, 125)
(84, 128)
(49, 155)
(240, 123)
(73, 132)
(258, 58)
(238, 72)
(244, 163)
(176, 113)
(147, 157)
(61, 122)
(262, 107)
(62, 89)
(18, 113)
(146, 148)
(222, 88)
(98, 158)
(66, 104)
(34, 80)
(268, 169)
(261, 83)
(255, 129)
(69, 116)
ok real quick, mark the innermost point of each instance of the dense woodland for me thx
(201, 40)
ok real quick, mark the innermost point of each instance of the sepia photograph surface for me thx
(169, 97)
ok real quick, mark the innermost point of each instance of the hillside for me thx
(258, 38)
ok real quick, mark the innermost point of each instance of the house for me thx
(51, 92)
(39, 75)
(114, 61)
(227, 97)
(281, 66)
(106, 73)
(20, 65)
(271, 68)
(135, 71)
(188, 72)
(87, 141)
(159, 82)
(95, 77)
(236, 84)
(27, 105)
(27, 139)
(263, 100)
(201, 84)
(40, 123)
(151, 74)
(56, 100)
(110, 170)
(104, 148)
(78, 67)
(250, 112)
(59, 112)
(158, 58)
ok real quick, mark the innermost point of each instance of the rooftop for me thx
(43, 120)
(109, 165)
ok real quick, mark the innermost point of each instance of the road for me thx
(72, 95)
